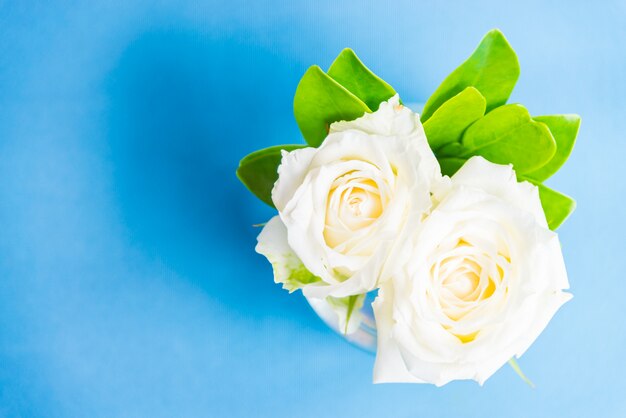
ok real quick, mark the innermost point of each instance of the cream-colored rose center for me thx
(354, 203)
(465, 278)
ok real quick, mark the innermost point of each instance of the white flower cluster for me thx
(467, 270)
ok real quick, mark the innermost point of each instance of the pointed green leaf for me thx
(347, 310)
(557, 206)
(351, 73)
(450, 165)
(449, 122)
(564, 128)
(517, 369)
(492, 68)
(508, 135)
(259, 171)
(320, 101)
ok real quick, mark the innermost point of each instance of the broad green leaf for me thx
(449, 122)
(452, 149)
(259, 171)
(564, 128)
(517, 369)
(450, 165)
(492, 68)
(508, 135)
(494, 125)
(320, 101)
(351, 73)
(348, 311)
(557, 206)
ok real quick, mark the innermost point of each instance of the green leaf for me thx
(452, 149)
(346, 309)
(351, 73)
(297, 278)
(557, 206)
(517, 369)
(508, 135)
(492, 68)
(287, 267)
(320, 101)
(564, 128)
(259, 171)
(449, 122)
(450, 165)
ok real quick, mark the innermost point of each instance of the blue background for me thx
(128, 282)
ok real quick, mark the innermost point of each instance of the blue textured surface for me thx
(128, 282)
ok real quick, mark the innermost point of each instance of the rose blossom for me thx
(483, 278)
(344, 205)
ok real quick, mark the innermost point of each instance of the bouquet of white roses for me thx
(444, 214)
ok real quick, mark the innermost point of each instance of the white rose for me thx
(484, 278)
(343, 206)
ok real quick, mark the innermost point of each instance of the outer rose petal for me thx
(389, 366)
(497, 180)
(288, 269)
(391, 118)
(291, 173)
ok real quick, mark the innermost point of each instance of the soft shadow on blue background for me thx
(128, 282)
